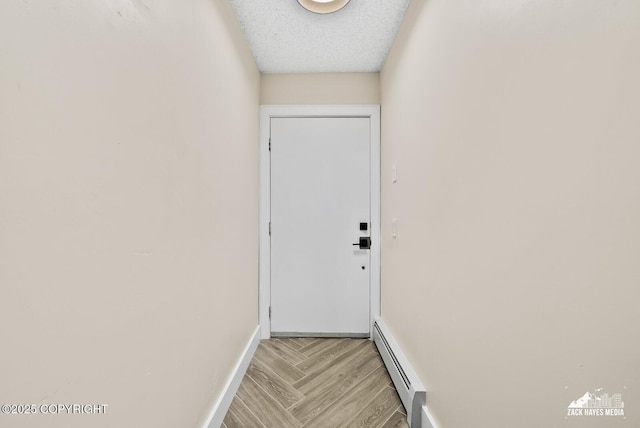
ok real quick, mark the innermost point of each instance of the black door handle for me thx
(364, 243)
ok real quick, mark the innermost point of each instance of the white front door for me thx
(320, 207)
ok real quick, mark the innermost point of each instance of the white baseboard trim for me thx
(221, 407)
(427, 419)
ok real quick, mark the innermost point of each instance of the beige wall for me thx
(128, 208)
(320, 88)
(513, 284)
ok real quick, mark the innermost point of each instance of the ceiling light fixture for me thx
(323, 6)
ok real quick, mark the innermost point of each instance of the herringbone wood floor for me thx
(308, 382)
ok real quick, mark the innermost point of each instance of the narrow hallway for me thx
(316, 383)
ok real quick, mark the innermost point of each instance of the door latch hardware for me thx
(364, 243)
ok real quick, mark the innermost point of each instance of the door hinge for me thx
(269, 228)
(269, 143)
(269, 312)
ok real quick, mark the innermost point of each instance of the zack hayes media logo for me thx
(597, 404)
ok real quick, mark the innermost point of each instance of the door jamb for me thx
(266, 113)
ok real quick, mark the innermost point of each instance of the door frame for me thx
(372, 112)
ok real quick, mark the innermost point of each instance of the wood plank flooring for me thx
(322, 383)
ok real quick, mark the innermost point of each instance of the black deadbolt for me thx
(364, 226)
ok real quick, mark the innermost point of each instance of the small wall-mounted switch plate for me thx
(394, 172)
(394, 228)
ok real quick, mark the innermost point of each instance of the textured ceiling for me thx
(286, 38)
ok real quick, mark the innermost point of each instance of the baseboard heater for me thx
(411, 391)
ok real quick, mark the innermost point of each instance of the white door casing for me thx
(362, 302)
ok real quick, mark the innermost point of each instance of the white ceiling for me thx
(286, 38)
